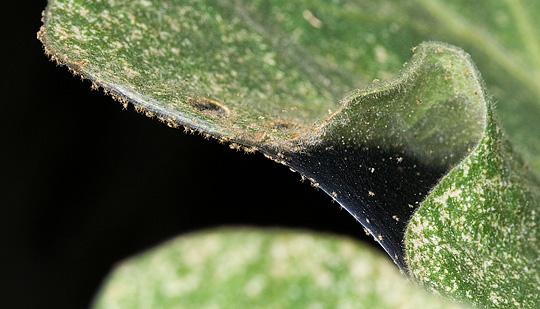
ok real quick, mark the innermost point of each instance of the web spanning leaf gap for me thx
(379, 152)
(382, 152)
(376, 188)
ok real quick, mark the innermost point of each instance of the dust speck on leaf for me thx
(312, 20)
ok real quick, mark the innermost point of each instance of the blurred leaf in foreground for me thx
(245, 268)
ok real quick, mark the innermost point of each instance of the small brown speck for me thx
(259, 136)
(209, 107)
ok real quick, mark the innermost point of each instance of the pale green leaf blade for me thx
(203, 64)
(504, 39)
(246, 268)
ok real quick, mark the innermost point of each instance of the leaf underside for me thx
(268, 75)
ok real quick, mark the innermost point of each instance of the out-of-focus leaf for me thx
(245, 268)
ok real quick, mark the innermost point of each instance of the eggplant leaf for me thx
(329, 89)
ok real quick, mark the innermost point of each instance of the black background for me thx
(85, 183)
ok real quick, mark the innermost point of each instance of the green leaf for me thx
(268, 75)
(475, 238)
(245, 268)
